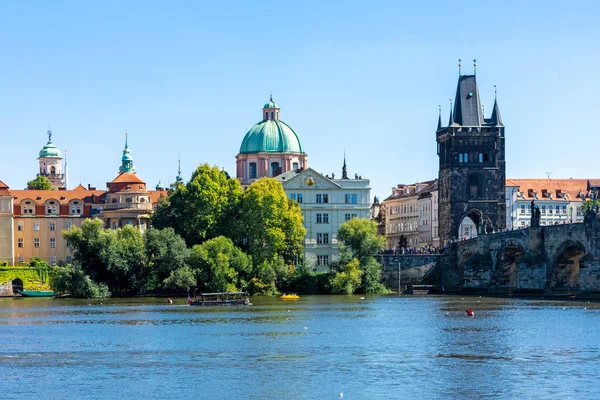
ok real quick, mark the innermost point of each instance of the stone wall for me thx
(413, 269)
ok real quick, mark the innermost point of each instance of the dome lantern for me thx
(270, 110)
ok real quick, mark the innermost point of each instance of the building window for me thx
(564, 210)
(460, 158)
(295, 166)
(319, 218)
(28, 210)
(480, 157)
(252, 170)
(550, 210)
(557, 210)
(322, 198)
(36, 226)
(325, 218)
(52, 243)
(323, 260)
(52, 209)
(20, 259)
(52, 260)
(473, 185)
(297, 197)
(52, 225)
(578, 211)
(466, 157)
(522, 208)
(68, 225)
(20, 226)
(68, 259)
(322, 238)
(20, 243)
(544, 210)
(114, 225)
(350, 198)
(348, 217)
(36, 243)
(76, 210)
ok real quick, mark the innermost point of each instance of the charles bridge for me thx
(558, 260)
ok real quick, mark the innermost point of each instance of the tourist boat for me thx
(33, 293)
(221, 299)
(291, 296)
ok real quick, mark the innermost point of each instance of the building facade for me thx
(471, 164)
(428, 216)
(326, 203)
(559, 200)
(403, 215)
(6, 225)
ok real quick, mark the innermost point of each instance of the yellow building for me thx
(6, 224)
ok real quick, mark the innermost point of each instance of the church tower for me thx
(127, 159)
(50, 161)
(472, 167)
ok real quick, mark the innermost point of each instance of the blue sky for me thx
(367, 77)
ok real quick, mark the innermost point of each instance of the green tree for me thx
(348, 280)
(588, 207)
(220, 266)
(203, 208)
(40, 183)
(72, 280)
(167, 253)
(180, 279)
(360, 240)
(270, 223)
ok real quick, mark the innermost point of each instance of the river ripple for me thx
(314, 348)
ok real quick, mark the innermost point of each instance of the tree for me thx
(40, 183)
(71, 279)
(220, 266)
(203, 208)
(347, 280)
(360, 240)
(270, 223)
(589, 207)
(166, 253)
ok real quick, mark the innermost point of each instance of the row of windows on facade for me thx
(36, 226)
(402, 227)
(323, 259)
(275, 169)
(526, 209)
(324, 218)
(480, 157)
(36, 243)
(408, 208)
(21, 259)
(50, 209)
(323, 198)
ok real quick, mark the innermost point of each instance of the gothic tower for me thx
(472, 165)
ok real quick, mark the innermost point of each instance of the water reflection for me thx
(381, 347)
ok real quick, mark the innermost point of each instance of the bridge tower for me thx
(472, 169)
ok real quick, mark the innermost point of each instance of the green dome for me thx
(49, 150)
(271, 104)
(273, 136)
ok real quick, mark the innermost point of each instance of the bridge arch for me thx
(564, 275)
(469, 224)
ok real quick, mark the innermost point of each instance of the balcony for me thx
(128, 206)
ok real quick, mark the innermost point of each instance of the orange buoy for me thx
(470, 312)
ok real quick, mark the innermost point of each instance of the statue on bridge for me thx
(536, 215)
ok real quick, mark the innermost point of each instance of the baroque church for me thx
(271, 148)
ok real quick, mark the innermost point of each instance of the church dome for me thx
(271, 135)
(50, 149)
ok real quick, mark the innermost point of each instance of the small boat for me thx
(221, 299)
(291, 296)
(33, 293)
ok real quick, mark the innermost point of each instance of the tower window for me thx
(460, 157)
(252, 170)
(473, 186)
(480, 157)
(271, 114)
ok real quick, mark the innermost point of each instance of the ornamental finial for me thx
(474, 66)
(459, 66)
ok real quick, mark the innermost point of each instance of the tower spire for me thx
(496, 119)
(344, 169)
(459, 67)
(127, 159)
(474, 66)
(439, 117)
(451, 119)
(179, 179)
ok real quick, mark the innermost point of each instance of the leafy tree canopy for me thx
(40, 183)
(203, 208)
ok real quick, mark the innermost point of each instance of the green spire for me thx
(127, 159)
(179, 179)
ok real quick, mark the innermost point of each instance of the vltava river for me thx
(314, 348)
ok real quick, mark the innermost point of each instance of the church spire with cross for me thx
(127, 159)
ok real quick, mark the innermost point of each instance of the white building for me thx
(326, 203)
(559, 200)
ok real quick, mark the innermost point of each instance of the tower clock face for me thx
(310, 181)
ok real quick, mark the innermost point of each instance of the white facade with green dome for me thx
(270, 148)
(51, 165)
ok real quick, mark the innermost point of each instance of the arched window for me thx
(271, 114)
(53, 170)
(295, 166)
(275, 169)
(252, 170)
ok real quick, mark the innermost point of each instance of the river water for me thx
(315, 348)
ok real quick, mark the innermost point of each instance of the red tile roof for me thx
(554, 188)
(62, 196)
(127, 177)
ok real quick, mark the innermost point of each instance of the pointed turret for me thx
(344, 169)
(127, 159)
(467, 106)
(496, 119)
(439, 128)
(451, 118)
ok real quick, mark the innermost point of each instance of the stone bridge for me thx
(560, 260)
